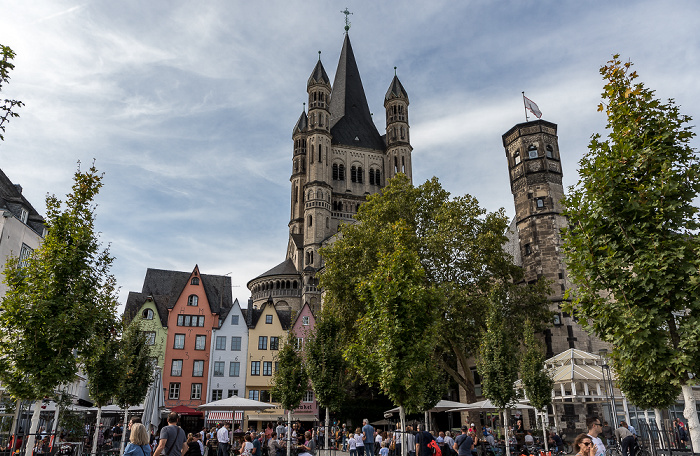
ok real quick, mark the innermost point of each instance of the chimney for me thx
(19, 188)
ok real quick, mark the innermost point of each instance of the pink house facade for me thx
(303, 327)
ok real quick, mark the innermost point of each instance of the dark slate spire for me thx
(318, 76)
(302, 123)
(396, 90)
(351, 121)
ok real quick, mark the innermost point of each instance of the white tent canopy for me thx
(236, 403)
(488, 405)
(442, 406)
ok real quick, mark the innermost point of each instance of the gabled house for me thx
(228, 355)
(151, 313)
(302, 328)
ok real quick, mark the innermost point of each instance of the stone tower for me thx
(534, 166)
(339, 158)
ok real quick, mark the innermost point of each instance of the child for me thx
(385, 449)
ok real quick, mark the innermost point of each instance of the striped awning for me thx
(225, 416)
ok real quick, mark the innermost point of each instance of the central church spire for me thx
(351, 121)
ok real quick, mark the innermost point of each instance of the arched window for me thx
(532, 151)
(319, 151)
(359, 174)
(311, 220)
(147, 314)
(294, 285)
(377, 179)
(192, 300)
(311, 195)
(194, 281)
(371, 176)
(311, 154)
(335, 171)
(549, 151)
(328, 222)
(353, 174)
(341, 172)
(403, 164)
(396, 165)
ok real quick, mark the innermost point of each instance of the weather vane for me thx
(347, 19)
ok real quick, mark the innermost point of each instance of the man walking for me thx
(595, 427)
(626, 439)
(172, 438)
(423, 438)
(463, 443)
(368, 437)
(223, 440)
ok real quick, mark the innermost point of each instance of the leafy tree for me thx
(633, 247)
(57, 300)
(104, 370)
(7, 108)
(325, 365)
(497, 360)
(137, 369)
(289, 381)
(459, 247)
(536, 380)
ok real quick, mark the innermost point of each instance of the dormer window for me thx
(192, 300)
(194, 281)
(305, 321)
(24, 215)
(532, 151)
(147, 314)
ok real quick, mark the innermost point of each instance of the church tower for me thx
(534, 165)
(398, 154)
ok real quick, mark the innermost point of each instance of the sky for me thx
(188, 107)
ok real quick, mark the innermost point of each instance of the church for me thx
(339, 158)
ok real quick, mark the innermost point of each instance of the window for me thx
(176, 368)
(217, 395)
(196, 391)
(234, 319)
(192, 300)
(371, 176)
(174, 391)
(540, 203)
(254, 395)
(274, 343)
(190, 320)
(299, 343)
(262, 343)
(335, 171)
(305, 321)
(268, 319)
(235, 343)
(267, 368)
(200, 342)
(179, 342)
(234, 369)
(341, 172)
(24, 253)
(264, 396)
(528, 249)
(353, 174)
(532, 151)
(198, 369)
(359, 174)
(232, 393)
(308, 396)
(516, 158)
(221, 342)
(255, 368)
(24, 215)
(549, 151)
(147, 314)
(194, 281)
(377, 180)
(150, 337)
(311, 221)
(219, 367)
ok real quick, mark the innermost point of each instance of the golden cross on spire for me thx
(347, 19)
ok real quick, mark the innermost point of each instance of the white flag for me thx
(532, 107)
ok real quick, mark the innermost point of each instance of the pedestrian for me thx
(584, 446)
(608, 434)
(223, 440)
(368, 437)
(172, 438)
(423, 438)
(626, 439)
(410, 441)
(352, 445)
(359, 442)
(594, 428)
(138, 441)
(464, 443)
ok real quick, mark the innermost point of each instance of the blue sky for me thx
(188, 107)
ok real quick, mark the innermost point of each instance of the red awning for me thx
(185, 410)
(225, 416)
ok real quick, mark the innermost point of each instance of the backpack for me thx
(434, 448)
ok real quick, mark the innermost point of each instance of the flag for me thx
(532, 107)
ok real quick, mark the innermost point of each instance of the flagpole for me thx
(525, 107)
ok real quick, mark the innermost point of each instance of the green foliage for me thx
(458, 247)
(497, 360)
(7, 108)
(536, 380)
(325, 364)
(103, 366)
(136, 365)
(59, 299)
(289, 381)
(632, 245)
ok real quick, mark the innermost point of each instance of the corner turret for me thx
(398, 154)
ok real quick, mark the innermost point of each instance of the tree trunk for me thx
(662, 437)
(32, 430)
(427, 421)
(328, 428)
(289, 432)
(691, 414)
(97, 430)
(126, 417)
(15, 419)
(505, 431)
(544, 430)
(402, 436)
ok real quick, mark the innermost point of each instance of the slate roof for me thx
(351, 121)
(396, 90)
(302, 123)
(135, 300)
(11, 199)
(252, 316)
(284, 268)
(298, 239)
(318, 75)
(166, 286)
